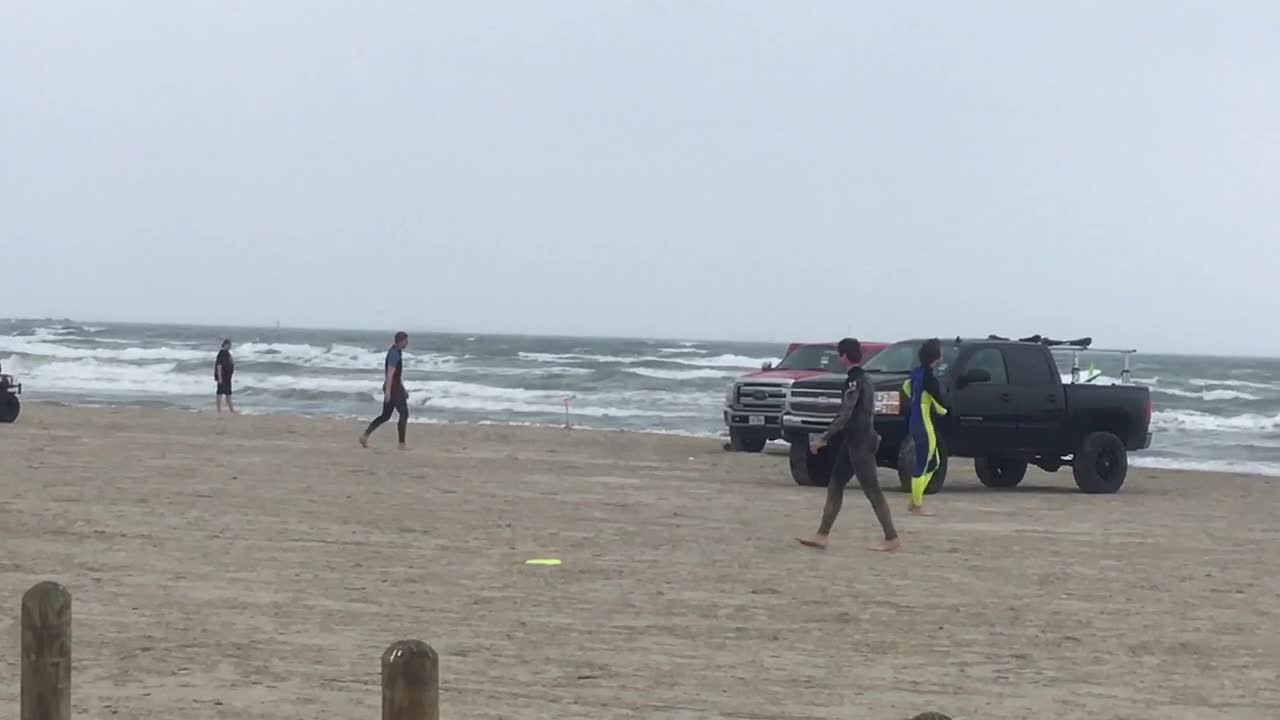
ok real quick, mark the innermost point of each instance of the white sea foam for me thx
(577, 357)
(738, 362)
(451, 395)
(695, 374)
(1224, 466)
(342, 357)
(345, 357)
(1209, 395)
(36, 347)
(1206, 382)
(515, 405)
(1196, 420)
(546, 371)
(1103, 379)
(90, 376)
(725, 361)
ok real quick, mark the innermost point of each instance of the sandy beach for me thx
(256, 567)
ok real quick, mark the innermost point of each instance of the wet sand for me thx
(256, 567)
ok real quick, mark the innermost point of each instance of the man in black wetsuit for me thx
(223, 368)
(394, 395)
(854, 424)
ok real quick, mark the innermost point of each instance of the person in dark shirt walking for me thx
(223, 368)
(394, 395)
(855, 424)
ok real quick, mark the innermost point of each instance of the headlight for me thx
(888, 402)
(731, 394)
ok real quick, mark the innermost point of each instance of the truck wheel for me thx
(792, 437)
(810, 470)
(1000, 472)
(907, 466)
(742, 442)
(1101, 463)
(10, 406)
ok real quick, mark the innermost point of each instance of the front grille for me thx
(769, 398)
(814, 401)
(811, 408)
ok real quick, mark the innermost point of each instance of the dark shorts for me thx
(224, 388)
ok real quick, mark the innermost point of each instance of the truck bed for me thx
(1124, 410)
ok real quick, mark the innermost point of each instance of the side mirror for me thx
(766, 365)
(976, 375)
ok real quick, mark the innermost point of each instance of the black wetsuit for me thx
(397, 397)
(855, 426)
(228, 367)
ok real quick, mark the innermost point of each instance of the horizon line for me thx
(544, 335)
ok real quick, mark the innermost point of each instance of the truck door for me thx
(984, 411)
(1038, 398)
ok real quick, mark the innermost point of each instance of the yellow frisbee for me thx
(543, 561)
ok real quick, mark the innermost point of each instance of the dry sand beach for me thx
(256, 567)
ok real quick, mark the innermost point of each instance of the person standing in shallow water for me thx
(223, 368)
(855, 424)
(394, 395)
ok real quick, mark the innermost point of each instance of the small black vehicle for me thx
(10, 405)
(1009, 408)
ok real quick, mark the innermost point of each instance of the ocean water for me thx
(1209, 412)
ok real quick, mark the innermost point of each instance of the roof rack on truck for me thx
(1076, 347)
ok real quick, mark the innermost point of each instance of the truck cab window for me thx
(812, 357)
(1031, 366)
(991, 360)
(900, 358)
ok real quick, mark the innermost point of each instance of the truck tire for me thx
(810, 470)
(907, 466)
(999, 472)
(10, 406)
(1101, 463)
(742, 442)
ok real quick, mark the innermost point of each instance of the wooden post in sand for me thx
(46, 653)
(410, 682)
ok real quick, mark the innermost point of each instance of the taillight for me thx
(1148, 410)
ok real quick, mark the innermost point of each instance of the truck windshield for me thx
(901, 358)
(812, 357)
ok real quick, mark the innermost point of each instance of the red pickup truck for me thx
(753, 404)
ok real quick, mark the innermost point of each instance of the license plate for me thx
(888, 403)
(755, 420)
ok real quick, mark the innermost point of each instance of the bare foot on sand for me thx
(919, 510)
(887, 545)
(364, 441)
(817, 541)
(403, 446)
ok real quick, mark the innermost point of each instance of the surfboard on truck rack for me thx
(1010, 407)
(10, 405)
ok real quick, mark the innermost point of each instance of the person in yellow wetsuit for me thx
(922, 390)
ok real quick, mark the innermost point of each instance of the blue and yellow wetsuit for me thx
(923, 391)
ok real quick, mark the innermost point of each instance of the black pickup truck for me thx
(10, 405)
(1009, 408)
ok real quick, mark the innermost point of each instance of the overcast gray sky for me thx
(748, 170)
